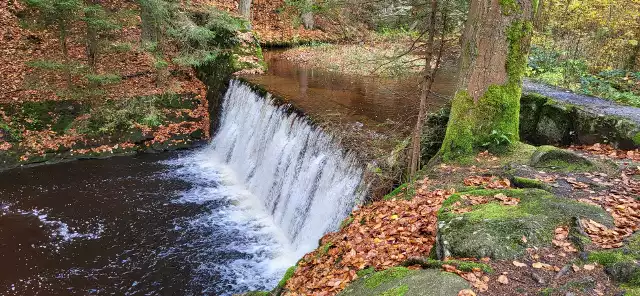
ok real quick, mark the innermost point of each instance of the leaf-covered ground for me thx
(276, 23)
(43, 119)
(401, 230)
(22, 45)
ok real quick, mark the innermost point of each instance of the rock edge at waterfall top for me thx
(576, 246)
(595, 104)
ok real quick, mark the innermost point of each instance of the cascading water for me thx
(300, 174)
(286, 184)
(227, 218)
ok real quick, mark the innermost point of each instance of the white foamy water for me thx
(300, 175)
(275, 180)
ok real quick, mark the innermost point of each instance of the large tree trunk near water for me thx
(486, 108)
(244, 8)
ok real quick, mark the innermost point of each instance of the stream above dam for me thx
(362, 111)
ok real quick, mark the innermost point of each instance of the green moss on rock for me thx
(495, 230)
(402, 281)
(384, 276)
(623, 264)
(365, 272)
(396, 192)
(528, 183)
(552, 158)
(636, 139)
(346, 222)
(397, 291)
(287, 275)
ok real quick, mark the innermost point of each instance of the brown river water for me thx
(381, 104)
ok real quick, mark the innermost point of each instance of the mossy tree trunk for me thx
(486, 107)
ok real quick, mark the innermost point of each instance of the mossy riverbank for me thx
(511, 227)
(139, 110)
(54, 131)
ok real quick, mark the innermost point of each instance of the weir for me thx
(301, 175)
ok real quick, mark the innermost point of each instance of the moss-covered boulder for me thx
(623, 264)
(494, 229)
(400, 281)
(556, 159)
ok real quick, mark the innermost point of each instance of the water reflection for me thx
(371, 101)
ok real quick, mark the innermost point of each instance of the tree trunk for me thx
(632, 62)
(149, 22)
(486, 107)
(426, 88)
(92, 39)
(633, 59)
(244, 8)
(307, 15)
(65, 54)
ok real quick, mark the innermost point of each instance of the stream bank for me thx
(535, 221)
(139, 110)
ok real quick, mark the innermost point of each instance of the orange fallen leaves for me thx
(382, 235)
(608, 151)
(623, 207)
(601, 235)
(519, 264)
(467, 292)
(476, 278)
(560, 240)
(549, 267)
(489, 182)
(486, 156)
(4, 146)
(503, 279)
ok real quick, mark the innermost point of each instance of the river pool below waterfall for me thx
(149, 225)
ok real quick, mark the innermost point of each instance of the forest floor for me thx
(377, 55)
(278, 24)
(44, 119)
(131, 108)
(574, 257)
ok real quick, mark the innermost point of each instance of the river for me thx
(226, 218)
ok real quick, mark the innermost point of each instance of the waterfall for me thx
(299, 173)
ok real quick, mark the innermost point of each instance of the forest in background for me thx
(591, 47)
